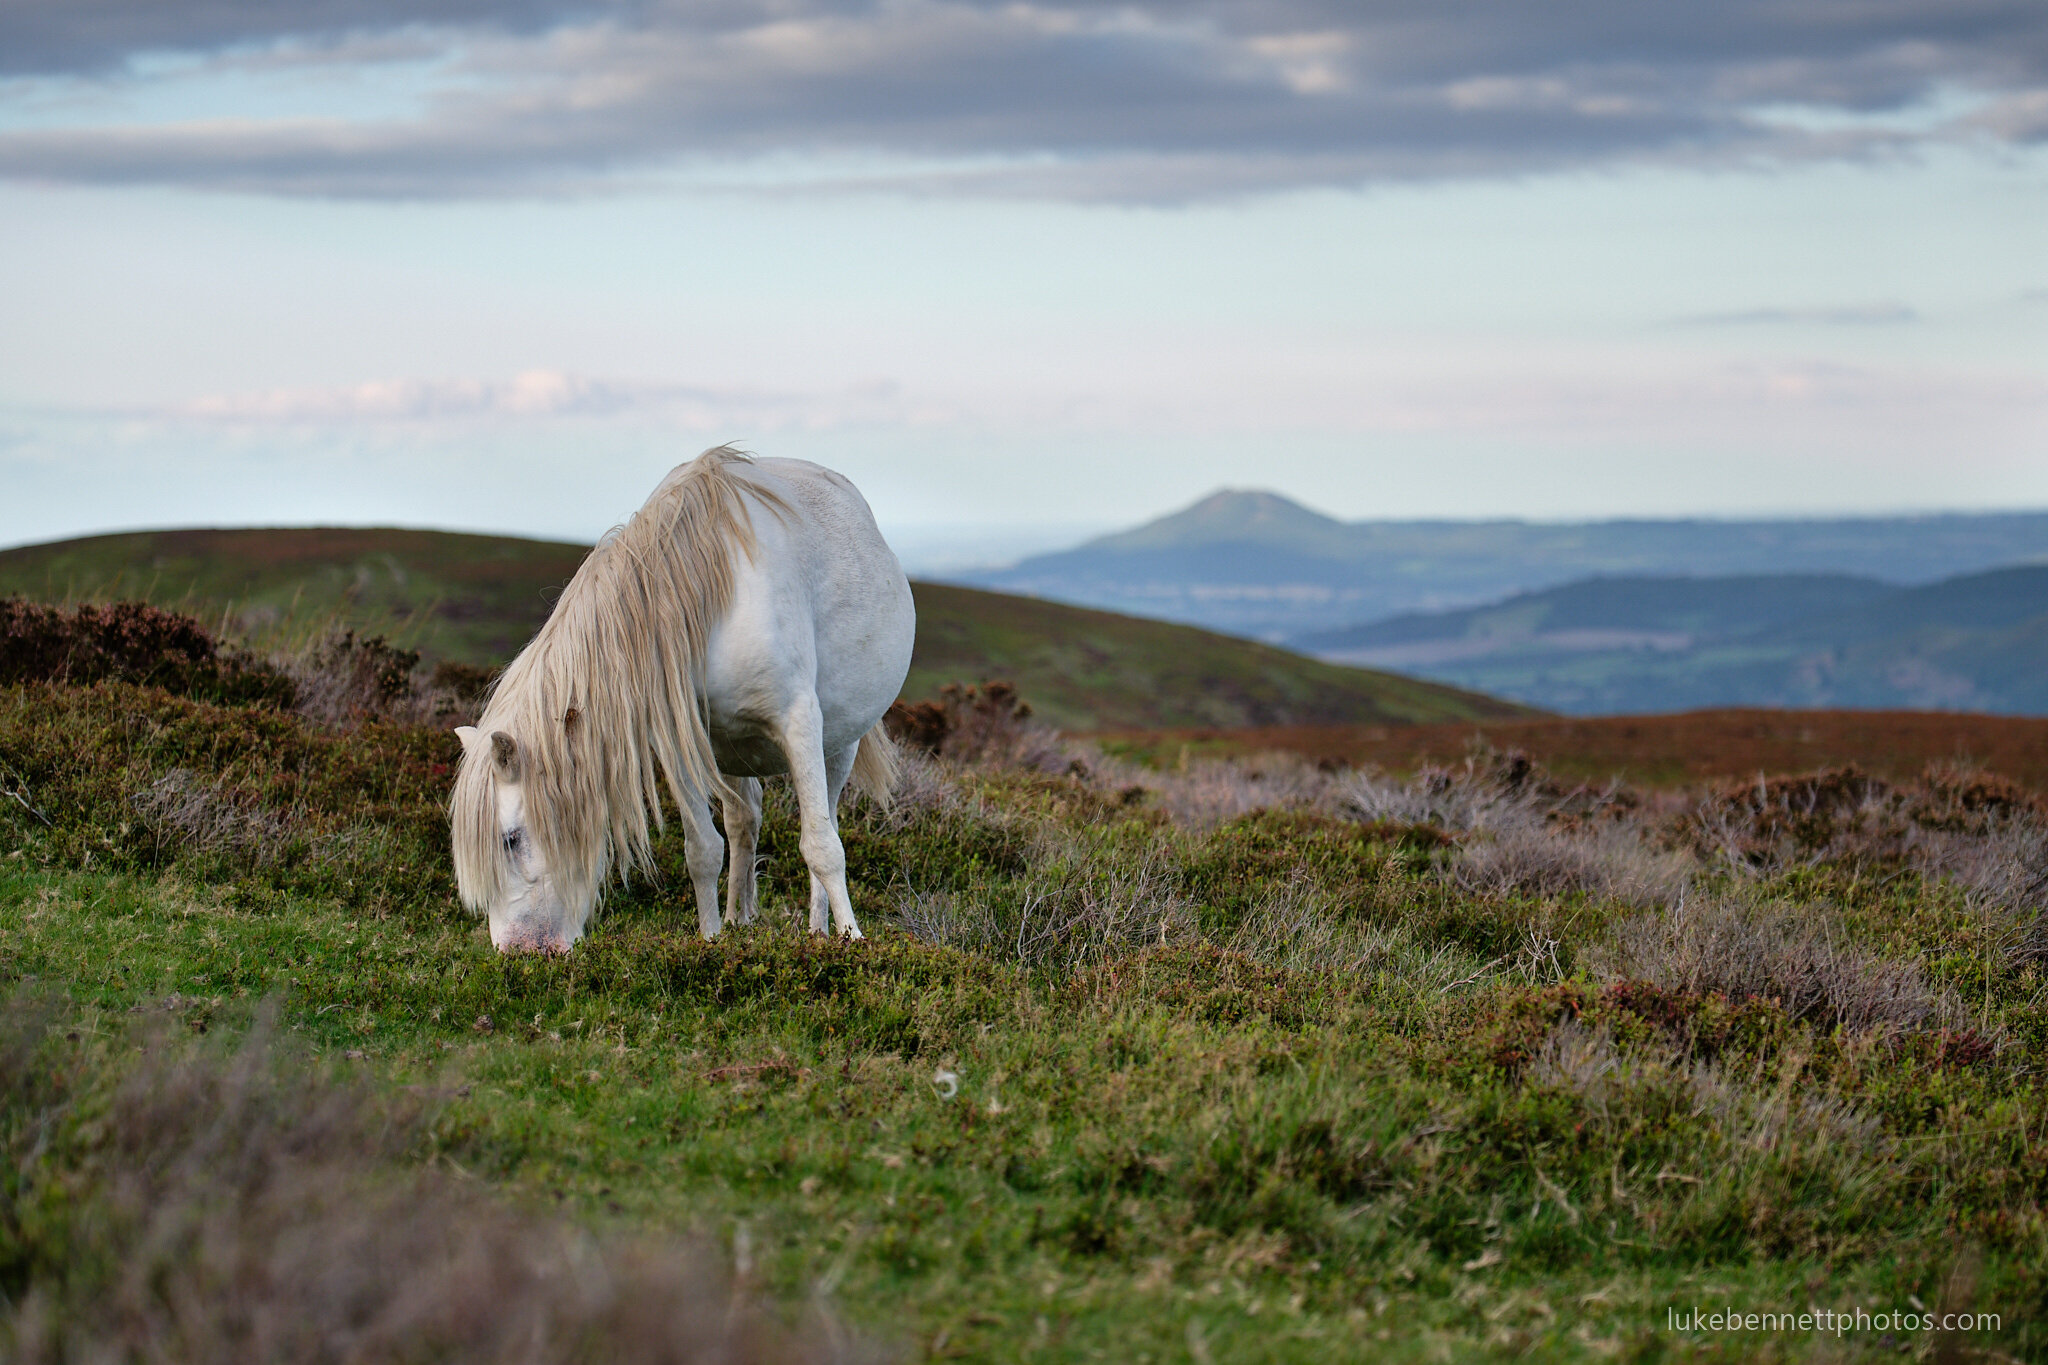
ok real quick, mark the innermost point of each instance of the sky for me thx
(1023, 271)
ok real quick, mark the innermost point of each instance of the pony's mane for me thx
(606, 702)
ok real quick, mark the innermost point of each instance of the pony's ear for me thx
(506, 754)
(470, 736)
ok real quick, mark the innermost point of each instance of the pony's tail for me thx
(875, 765)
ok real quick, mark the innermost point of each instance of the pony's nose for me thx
(532, 941)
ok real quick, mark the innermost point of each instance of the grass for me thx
(1236, 1062)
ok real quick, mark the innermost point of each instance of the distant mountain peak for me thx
(1232, 514)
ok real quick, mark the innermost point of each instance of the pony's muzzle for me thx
(532, 939)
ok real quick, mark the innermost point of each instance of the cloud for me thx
(1139, 101)
(1596, 397)
(100, 37)
(545, 394)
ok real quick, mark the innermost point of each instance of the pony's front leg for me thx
(742, 806)
(704, 851)
(818, 781)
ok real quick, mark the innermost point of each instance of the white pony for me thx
(749, 620)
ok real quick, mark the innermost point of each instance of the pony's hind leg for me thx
(818, 778)
(741, 804)
(704, 851)
(837, 767)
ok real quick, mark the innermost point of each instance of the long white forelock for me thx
(606, 702)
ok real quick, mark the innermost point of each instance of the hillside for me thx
(467, 597)
(1091, 670)
(477, 599)
(1977, 642)
(1255, 563)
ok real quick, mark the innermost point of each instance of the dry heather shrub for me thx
(240, 1218)
(1789, 1115)
(922, 789)
(1304, 929)
(2002, 870)
(345, 680)
(1070, 917)
(1203, 793)
(188, 814)
(1802, 957)
(1762, 1112)
(1451, 800)
(1524, 834)
(1611, 861)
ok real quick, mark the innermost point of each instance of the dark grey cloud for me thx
(1143, 101)
(79, 37)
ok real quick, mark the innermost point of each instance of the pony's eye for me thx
(513, 841)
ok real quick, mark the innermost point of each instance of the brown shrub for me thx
(989, 724)
(1806, 812)
(1956, 796)
(130, 642)
(236, 1216)
(468, 684)
(1764, 826)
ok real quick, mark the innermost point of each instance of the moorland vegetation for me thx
(1216, 1059)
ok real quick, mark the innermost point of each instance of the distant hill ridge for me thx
(1975, 642)
(478, 599)
(1259, 564)
(1665, 606)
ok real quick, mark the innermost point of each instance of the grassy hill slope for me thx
(479, 598)
(467, 597)
(1087, 669)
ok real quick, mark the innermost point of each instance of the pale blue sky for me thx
(1020, 271)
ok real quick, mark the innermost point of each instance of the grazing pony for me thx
(749, 620)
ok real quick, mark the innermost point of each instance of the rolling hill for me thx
(1083, 669)
(477, 599)
(1257, 564)
(473, 598)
